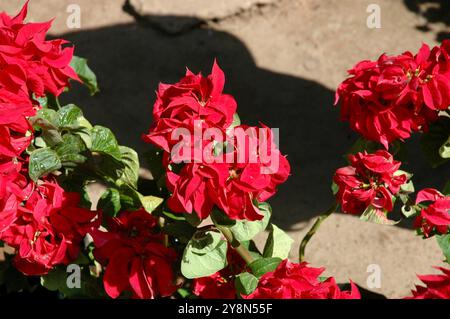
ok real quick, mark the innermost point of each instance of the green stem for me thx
(53, 102)
(240, 249)
(313, 230)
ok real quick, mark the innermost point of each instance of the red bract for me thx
(437, 286)
(371, 179)
(193, 188)
(135, 257)
(48, 230)
(234, 181)
(388, 99)
(435, 217)
(194, 98)
(29, 62)
(299, 281)
(256, 170)
(221, 284)
(14, 126)
(14, 189)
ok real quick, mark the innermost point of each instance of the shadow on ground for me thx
(131, 59)
(433, 11)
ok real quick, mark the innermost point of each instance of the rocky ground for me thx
(283, 60)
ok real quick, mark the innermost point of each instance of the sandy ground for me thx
(283, 60)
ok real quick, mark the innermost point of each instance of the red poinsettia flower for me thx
(388, 99)
(48, 230)
(255, 171)
(194, 98)
(437, 286)
(15, 130)
(371, 179)
(435, 217)
(14, 189)
(299, 281)
(135, 257)
(194, 186)
(29, 62)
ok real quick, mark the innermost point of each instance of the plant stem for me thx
(240, 249)
(313, 230)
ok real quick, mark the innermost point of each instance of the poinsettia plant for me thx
(385, 101)
(193, 236)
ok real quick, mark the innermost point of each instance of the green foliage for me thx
(245, 230)
(104, 141)
(262, 266)
(245, 283)
(70, 150)
(109, 203)
(57, 280)
(85, 73)
(204, 255)
(130, 160)
(444, 243)
(42, 162)
(278, 243)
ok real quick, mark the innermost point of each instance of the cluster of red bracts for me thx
(388, 99)
(234, 186)
(40, 220)
(385, 101)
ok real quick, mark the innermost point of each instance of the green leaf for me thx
(131, 199)
(49, 115)
(197, 266)
(69, 117)
(46, 121)
(150, 203)
(184, 293)
(278, 243)
(130, 160)
(54, 279)
(104, 141)
(444, 243)
(110, 202)
(175, 216)
(433, 140)
(246, 283)
(377, 216)
(200, 260)
(42, 162)
(408, 211)
(85, 135)
(334, 188)
(245, 230)
(205, 242)
(85, 74)
(69, 151)
(262, 266)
